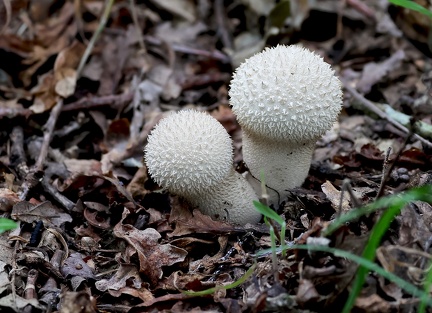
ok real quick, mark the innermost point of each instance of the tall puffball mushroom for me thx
(284, 98)
(190, 154)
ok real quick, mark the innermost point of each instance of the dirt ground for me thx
(83, 83)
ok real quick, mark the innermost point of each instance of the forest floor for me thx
(96, 234)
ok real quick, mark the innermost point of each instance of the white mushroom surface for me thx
(190, 154)
(284, 98)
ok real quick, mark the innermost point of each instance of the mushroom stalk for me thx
(274, 160)
(220, 202)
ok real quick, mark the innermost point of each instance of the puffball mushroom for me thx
(284, 98)
(190, 154)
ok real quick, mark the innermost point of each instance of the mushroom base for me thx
(284, 165)
(231, 200)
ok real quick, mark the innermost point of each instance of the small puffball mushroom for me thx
(190, 154)
(284, 98)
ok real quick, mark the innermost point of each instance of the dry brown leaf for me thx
(334, 196)
(8, 199)
(4, 277)
(306, 292)
(181, 8)
(126, 280)
(45, 96)
(73, 302)
(48, 213)
(152, 255)
(195, 222)
(76, 266)
(373, 303)
(375, 72)
(16, 302)
(65, 66)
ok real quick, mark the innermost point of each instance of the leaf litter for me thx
(96, 234)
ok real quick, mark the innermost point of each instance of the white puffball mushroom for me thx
(190, 154)
(284, 98)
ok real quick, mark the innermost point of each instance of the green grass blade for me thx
(371, 266)
(282, 236)
(427, 287)
(268, 212)
(412, 6)
(369, 252)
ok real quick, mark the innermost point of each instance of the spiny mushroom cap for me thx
(286, 93)
(188, 152)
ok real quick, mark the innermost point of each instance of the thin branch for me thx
(95, 37)
(48, 132)
(374, 109)
(133, 11)
(8, 8)
(389, 166)
(221, 22)
(117, 101)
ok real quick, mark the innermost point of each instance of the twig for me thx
(30, 288)
(50, 289)
(33, 177)
(133, 12)
(48, 187)
(48, 131)
(96, 102)
(8, 8)
(346, 186)
(385, 170)
(13, 273)
(340, 10)
(363, 8)
(14, 112)
(221, 22)
(388, 169)
(215, 54)
(17, 154)
(374, 109)
(101, 26)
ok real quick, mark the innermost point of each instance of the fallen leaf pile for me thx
(96, 234)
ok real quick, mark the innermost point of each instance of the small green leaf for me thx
(279, 14)
(6, 224)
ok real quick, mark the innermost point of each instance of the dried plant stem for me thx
(48, 131)
(95, 37)
(389, 166)
(8, 9)
(115, 101)
(223, 33)
(346, 187)
(374, 109)
(32, 178)
(133, 12)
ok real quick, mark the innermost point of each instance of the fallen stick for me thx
(374, 109)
